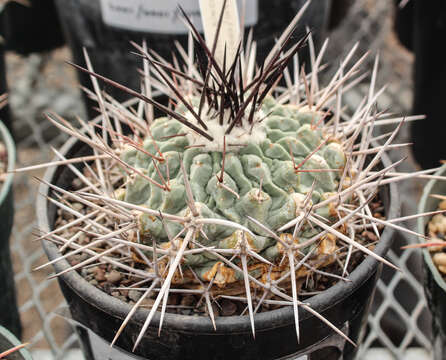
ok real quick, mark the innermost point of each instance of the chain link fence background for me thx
(399, 320)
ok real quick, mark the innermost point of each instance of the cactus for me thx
(261, 178)
(264, 172)
(243, 184)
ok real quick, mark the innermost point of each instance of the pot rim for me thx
(11, 338)
(6, 137)
(202, 324)
(421, 224)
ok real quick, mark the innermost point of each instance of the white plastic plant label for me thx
(229, 36)
(163, 16)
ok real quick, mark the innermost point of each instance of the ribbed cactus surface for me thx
(268, 174)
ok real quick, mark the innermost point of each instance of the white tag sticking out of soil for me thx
(229, 35)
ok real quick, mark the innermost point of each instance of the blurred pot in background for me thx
(9, 315)
(106, 27)
(26, 26)
(434, 280)
(421, 27)
(30, 26)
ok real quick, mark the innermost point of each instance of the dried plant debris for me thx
(436, 243)
(256, 190)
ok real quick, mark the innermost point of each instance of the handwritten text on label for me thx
(162, 16)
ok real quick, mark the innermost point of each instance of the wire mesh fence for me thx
(399, 319)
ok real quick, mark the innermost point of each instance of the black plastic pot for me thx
(8, 341)
(428, 29)
(434, 285)
(9, 315)
(31, 28)
(109, 45)
(185, 337)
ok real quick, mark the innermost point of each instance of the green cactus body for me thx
(259, 169)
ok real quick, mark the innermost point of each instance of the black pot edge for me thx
(6, 137)
(421, 224)
(263, 321)
(10, 337)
